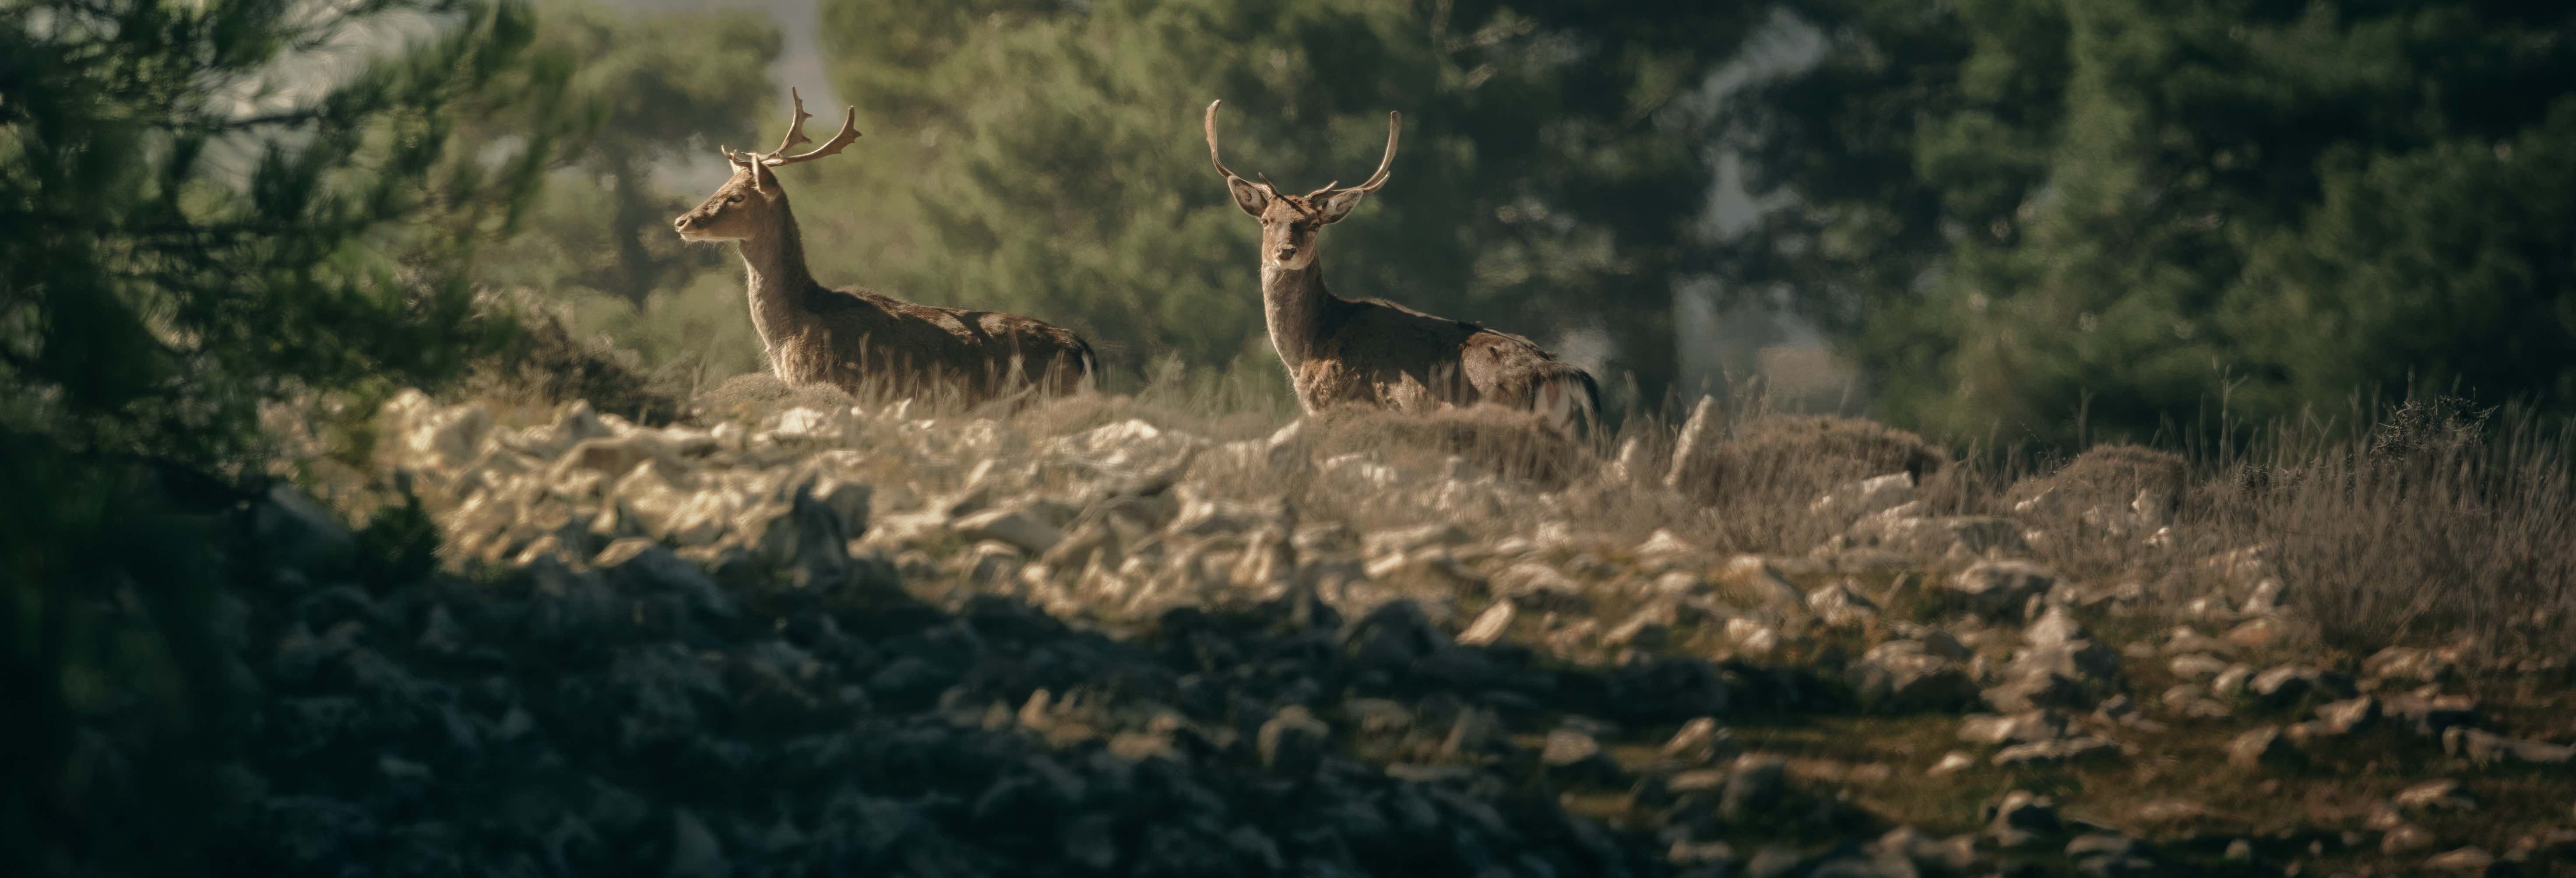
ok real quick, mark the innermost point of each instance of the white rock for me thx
(1867, 496)
(1013, 525)
(1753, 579)
(1662, 543)
(448, 436)
(1697, 434)
(1489, 625)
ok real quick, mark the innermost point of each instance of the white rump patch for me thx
(1564, 404)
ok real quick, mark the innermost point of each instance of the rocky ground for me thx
(831, 639)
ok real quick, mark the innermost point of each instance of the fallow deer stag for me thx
(853, 337)
(1378, 353)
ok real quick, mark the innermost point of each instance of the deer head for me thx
(746, 203)
(1289, 222)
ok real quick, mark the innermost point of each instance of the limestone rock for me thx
(1012, 525)
(2026, 728)
(1902, 676)
(2052, 752)
(2260, 748)
(2485, 748)
(2021, 819)
(1999, 589)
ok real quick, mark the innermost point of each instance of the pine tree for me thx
(665, 89)
(201, 215)
(1046, 158)
(2026, 215)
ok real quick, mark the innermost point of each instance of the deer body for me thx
(852, 337)
(1377, 353)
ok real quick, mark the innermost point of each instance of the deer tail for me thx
(1571, 400)
(1090, 363)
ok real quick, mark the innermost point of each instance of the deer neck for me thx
(1295, 304)
(778, 282)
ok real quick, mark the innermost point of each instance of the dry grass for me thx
(2111, 475)
(1807, 454)
(2383, 541)
(2435, 527)
(1519, 445)
(546, 365)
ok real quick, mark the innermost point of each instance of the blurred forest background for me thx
(2026, 220)
(1998, 219)
(2006, 219)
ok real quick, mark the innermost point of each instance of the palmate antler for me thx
(796, 135)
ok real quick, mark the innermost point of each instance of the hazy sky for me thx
(800, 65)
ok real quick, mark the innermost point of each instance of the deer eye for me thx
(737, 199)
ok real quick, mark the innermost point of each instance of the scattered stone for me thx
(2406, 664)
(1013, 526)
(1774, 861)
(1576, 756)
(1700, 742)
(1715, 855)
(1901, 676)
(1755, 786)
(1951, 855)
(2029, 688)
(2193, 702)
(2286, 685)
(2025, 728)
(1663, 544)
(2339, 718)
(1838, 606)
(1952, 762)
(1997, 589)
(2056, 627)
(1406, 541)
(2484, 748)
(2261, 748)
(2083, 661)
(2257, 633)
(2428, 713)
(1645, 629)
(2553, 844)
(2196, 667)
(2467, 859)
(2432, 797)
(2053, 752)
(1292, 743)
(2407, 838)
(2186, 639)
(2021, 819)
(1906, 531)
(299, 534)
(2109, 853)
(1757, 583)
(1867, 496)
(1694, 443)
(2230, 683)
(2172, 811)
(1752, 638)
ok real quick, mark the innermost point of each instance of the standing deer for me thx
(853, 337)
(1375, 352)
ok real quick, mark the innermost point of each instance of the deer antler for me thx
(1212, 154)
(796, 135)
(1394, 127)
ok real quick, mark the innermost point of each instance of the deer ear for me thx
(1339, 204)
(1252, 197)
(763, 180)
